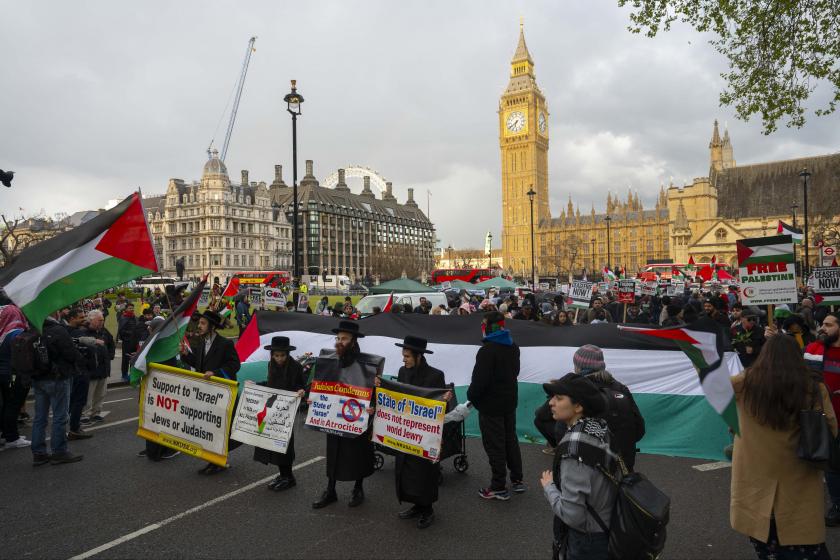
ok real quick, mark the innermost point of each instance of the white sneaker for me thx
(19, 442)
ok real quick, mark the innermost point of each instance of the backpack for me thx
(29, 354)
(639, 516)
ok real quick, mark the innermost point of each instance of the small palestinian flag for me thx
(232, 288)
(389, 304)
(226, 312)
(702, 342)
(608, 274)
(795, 233)
(677, 274)
(164, 343)
(263, 414)
(764, 250)
(111, 249)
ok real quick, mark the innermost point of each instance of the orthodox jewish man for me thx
(417, 478)
(284, 373)
(348, 458)
(211, 354)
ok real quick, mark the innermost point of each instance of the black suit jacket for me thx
(221, 359)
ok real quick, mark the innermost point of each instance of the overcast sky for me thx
(99, 98)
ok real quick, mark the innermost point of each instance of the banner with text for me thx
(182, 410)
(766, 267)
(581, 294)
(274, 296)
(409, 419)
(825, 281)
(340, 396)
(626, 291)
(265, 417)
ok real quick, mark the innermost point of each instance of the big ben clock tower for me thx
(523, 139)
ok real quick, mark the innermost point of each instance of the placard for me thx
(626, 291)
(274, 296)
(603, 287)
(409, 419)
(446, 285)
(649, 288)
(204, 298)
(581, 294)
(767, 270)
(303, 302)
(825, 281)
(182, 410)
(265, 417)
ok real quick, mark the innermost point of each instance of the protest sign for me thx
(649, 288)
(544, 286)
(265, 417)
(603, 287)
(626, 291)
(677, 288)
(303, 302)
(581, 294)
(274, 296)
(409, 419)
(340, 395)
(767, 272)
(204, 298)
(825, 281)
(182, 410)
(255, 295)
(446, 285)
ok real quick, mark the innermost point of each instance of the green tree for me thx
(778, 51)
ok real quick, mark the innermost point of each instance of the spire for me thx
(521, 53)
(715, 137)
(570, 206)
(726, 141)
(681, 221)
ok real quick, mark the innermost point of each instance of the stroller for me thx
(453, 441)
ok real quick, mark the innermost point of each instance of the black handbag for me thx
(815, 439)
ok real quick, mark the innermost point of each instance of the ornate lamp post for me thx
(793, 208)
(293, 101)
(804, 174)
(531, 194)
(609, 243)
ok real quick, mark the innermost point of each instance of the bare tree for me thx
(396, 259)
(13, 239)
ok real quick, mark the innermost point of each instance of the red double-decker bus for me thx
(273, 279)
(471, 275)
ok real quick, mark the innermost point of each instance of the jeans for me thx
(832, 482)
(50, 394)
(498, 434)
(587, 546)
(78, 399)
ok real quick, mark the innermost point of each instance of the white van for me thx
(330, 284)
(367, 303)
(151, 283)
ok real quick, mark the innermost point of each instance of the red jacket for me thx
(826, 361)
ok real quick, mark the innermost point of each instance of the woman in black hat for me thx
(576, 482)
(417, 478)
(287, 374)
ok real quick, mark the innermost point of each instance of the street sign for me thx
(827, 255)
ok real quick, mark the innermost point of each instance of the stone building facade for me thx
(217, 226)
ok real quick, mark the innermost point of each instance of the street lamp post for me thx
(531, 194)
(593, 255)
(293, 101)
(793, 208)
(609, 243)
(490, 252)
(804, 174)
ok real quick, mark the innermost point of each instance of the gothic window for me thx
(720, 235)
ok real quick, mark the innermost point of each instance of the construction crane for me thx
(239, 86)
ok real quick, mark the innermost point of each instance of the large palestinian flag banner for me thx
(108, 250)
(766, 268)
(661, 376)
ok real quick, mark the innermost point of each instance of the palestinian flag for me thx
(111, 249)
(226, 313)
(232, 288)
(608, 274)
(389, 304)
(677, 274)
(664, 382)
(263, 414)
(795, 233)
(164, 343)
(702, 342)
(764, 250)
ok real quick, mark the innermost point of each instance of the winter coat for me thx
(417, 478)
(126, 333)
(493, 388)
(770, 480)
(65, 360)
(221, 359)
(756, 337)
(100, 355)
(288, 378)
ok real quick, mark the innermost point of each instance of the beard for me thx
(828, 340)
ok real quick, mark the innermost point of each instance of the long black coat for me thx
(288, 378)
(417, 478)
(222, 358)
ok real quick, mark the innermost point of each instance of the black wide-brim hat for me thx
(280, 344)
(415, 343)
(581, 390)
(213, 317)
(351, 327)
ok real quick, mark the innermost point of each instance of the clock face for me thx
(542, 123)
(515, 121)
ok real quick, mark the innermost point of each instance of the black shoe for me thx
(72, 436)
(212, 469)
(327, 498)
(40, 459)
(285, 484)
(426, 519)
(141, 453)
(832, 518)
(357, 498)
(275, 482)
(66, 457)
(410, 513)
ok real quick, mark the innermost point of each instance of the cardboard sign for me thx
(182, 410)
(649, 288)
(581, 294)
(825, 281)
(446, 285)
(767, 270)
(274, 296)
(626, 291)
(409, 419)
(265, 417)
(303, 302)
(603, 287)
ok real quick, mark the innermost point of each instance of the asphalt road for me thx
(116, 505)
